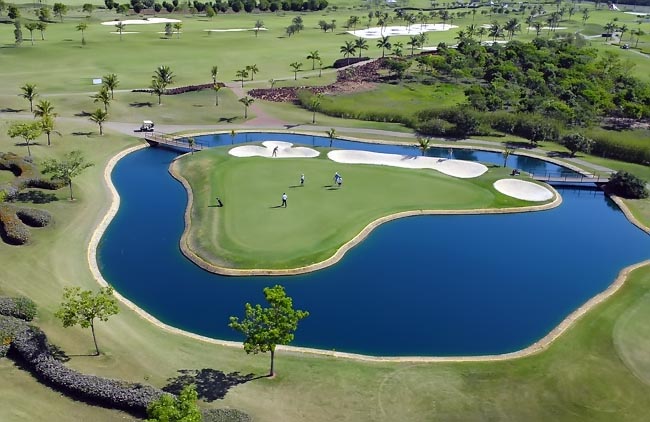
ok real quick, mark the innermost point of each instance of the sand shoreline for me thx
(534, 348)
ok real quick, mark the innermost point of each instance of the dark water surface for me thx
(430, 285)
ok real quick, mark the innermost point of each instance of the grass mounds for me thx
(251, 230)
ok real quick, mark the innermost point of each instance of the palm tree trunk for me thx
(92, 328)
(70, 186)
(101, 130)
(48, 139)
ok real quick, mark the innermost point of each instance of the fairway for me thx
(252, 230)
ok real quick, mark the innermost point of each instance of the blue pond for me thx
(431, 285)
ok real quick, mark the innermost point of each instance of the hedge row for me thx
(27, 175)
(18, 307)
(183, 89)
(9, 328)
(14, 223)
(225, 415)
(631, 146)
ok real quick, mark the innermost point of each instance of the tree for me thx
(165, 75)
(331, 134)
(31, 27)
(82, 27)
(246, 101)
(622, 29)
(413, 42)
(216, 88)
(28, 131)
(191, 142)
(507, 151)
(99, 116)
(88, 8)
(59, 10)
(347, 50)
(43, 108)
(41, 26)
(360, 44)
(83, 308)
(313, 56)
(47, 126)
(66, 170)
(296, 68)
(44, 14)
(177, 28)
(241, 75)
(29, 93)
(233, 134)
(627, 185)
(157, 87)
(265, 328)
(423, 145)
(585, 16)
(577, 142)
(214, 71)
(103, 97)
(111, 82)
(259, 24)
(18, 33)
(120, 28)
(253, 69)
(175, 409)
(384, 43)
(314, 106)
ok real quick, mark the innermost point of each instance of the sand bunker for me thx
(521, 189)
(388, 31)
(235, 30)
(455, 168)
(124, 33)
(141, 21)
(285, 150)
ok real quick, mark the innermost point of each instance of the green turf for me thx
(251, 231)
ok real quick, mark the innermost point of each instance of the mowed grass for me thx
(252, 231)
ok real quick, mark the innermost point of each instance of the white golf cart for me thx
(147, 126)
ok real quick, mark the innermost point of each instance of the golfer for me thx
(302, 179)
(275, 151)
(284, 200)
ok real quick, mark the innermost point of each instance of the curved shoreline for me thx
(534, 348)
(212, 267)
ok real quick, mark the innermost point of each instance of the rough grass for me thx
(251, 230)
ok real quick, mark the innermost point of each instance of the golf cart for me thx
(147, 126)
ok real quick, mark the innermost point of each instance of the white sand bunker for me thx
(284, 150)
(141, 21)
(376, 32)
(124, 33)
(520, 189)
(455, 168)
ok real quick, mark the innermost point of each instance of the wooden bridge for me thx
(171, 141)
(572, 179)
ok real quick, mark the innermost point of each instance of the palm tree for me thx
(246, 101)
(384, 44)
(253, 69)
(47, 125)
(259, 24)
(102, 97)
(639, 33)
(190, 143)
(44, 108)
(111, 82)
(538, 28)
(353, 21)
(42, 26)
(120, 28)
(165, 75)
(29, 93)
(512, 26)
(347, 50)
(99, 116)
(177, 27)
(360, 44)
(241, 75)
(610, 27)
(214, 72)
(31, 27)
(233, 134)
(157, 87)
(397, 48)
(296, 68)
(320, 65)
(413, 42)
(506, 153)
(622, 29)
(313, 56)
(424, 145)
(585, 16)
(314, 106)
(82, 27)
(331, 134)
(216, 88)
(496, 31)
(481, 33)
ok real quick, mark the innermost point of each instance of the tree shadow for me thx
(11, 110)
(58, 353)
(226, 119)
(276, 206)
(519, 145)
(82, 114)
(36, 197)
(559, 154)
(140, 104)
(211, 384)
(81, 133)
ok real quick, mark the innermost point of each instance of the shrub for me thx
(225, 415)
(627, 185)
(19, 307)
(12, 230)
(348, 61)
(575, 142)
(632, 146)
(9, 329)
(34, 217)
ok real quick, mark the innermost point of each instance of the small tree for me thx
(191, 142)
(47, 126)
(214, 71)
(177, 28)
(507, 151)
(175, 409)
(99, 116)
(296, 68)
(348, 50)
(627, 185)
(241, 75)
(120, 26)
(102, 97)
(111, 82)
(259, 24)
(157, 87)
(577, 142)
(246, 101)
(82, 27)
(83, 308)
(42, 26)
(423, 145)
(28, 131)
(314, 106)
(313, 56)
(216, 88)
(331, 134)
(252, 69)
(59, 10)
(31, 27)
(67, 169)
(29, 93)
(265, 328)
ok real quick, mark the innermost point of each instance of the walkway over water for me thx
(177, 142)
(570, 179)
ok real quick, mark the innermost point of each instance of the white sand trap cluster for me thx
(141, 21)
(636, 13)
(394, 31)
(285, 150)
(520, 189)
(546, 28)
(456, 168)
(124, 33)
(235, 30)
